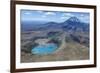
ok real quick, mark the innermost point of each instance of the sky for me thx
(52, 16)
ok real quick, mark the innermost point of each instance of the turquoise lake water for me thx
(44, 49)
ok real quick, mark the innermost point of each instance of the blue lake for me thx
(44, 49)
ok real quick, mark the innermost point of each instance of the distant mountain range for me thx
(71, 24)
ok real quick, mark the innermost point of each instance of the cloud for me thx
(67, 14)
(85, 19)
(82, 15)
(40, 11)
(44, 16)
(64, 17)
(50, 13)
(27, 13)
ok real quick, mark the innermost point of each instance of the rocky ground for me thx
(68, 50)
